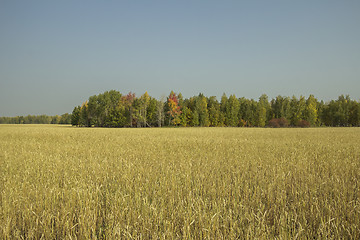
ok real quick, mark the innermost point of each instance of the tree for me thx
(102, 108)
(311, 111)
(111, 109)
(180, 100)
(144, 103)
(263, 111)
(245, 114)
(354, 113)
(194, 118)
(343, 107)
(95, 112)
(127, 102)
(337, 113)
(185, 117)
(324, 114)
(160, 112)
(174, 109)
(232, 111)
(151, 112)
(65, 118)
(223, 103)
(112, 114)
(84, 116)
(280, 107)
(297, 110)
(214, 112)
(261, 115)
(116, 117)
(201, 109)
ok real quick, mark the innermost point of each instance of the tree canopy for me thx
(37, 119)
(112, 109)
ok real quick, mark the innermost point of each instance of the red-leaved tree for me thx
(174, 109)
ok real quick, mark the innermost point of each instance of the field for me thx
(62, 182)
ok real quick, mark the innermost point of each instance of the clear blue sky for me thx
(55, 54)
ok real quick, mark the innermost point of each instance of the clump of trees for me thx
(112, 109)
(37, 119)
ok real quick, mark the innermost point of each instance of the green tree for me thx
(281, 108)
(141, 113)
(180, 100)
(324, 114)
(260, 115)
(244, 114)
(84, 117)
(97, 117)
(55, 119)
(339, 111)
(354, 114)
(111, 109)
(112, 114)
(297, 110)
(214, 112)
(232, 111)
(160, 112)
(263, 111)
(223, 104)
(185, 117)
(116, 117)
(201, 109)
(75, 116)
(65, 118)
(194, 118)
(151, 112)
(311, 111)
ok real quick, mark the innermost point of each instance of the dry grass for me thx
(60, 182)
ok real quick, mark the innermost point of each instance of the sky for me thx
(56, 54)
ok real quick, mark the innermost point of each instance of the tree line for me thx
(37, 119)
(112, 109)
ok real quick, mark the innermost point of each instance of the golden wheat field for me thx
(62, 182)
